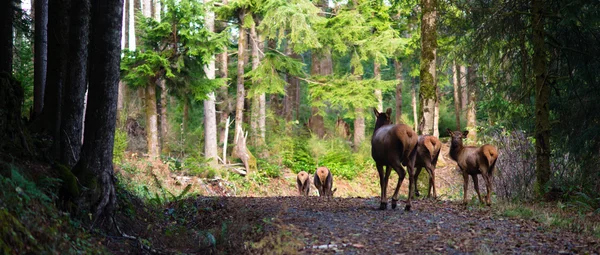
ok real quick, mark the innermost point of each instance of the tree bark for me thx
(151, 120)
(378, 94)
(164, 122)
(464, 90)
(436, 118)
(58, 29)
(71, 126)
(471, 110)
(400, 79)
(428, 89)
(414, 103)
(456, 86)
(6, 36)
(254, 108)
(542, 97)
(319, 66)
(210, 113)
(359, 127)
(40, 63)
(95, 167)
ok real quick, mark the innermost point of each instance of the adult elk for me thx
(303, 182)
(428, 151)
(472, 161)
(324, 182)
(393, 146)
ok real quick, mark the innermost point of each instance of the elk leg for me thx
(383, 184)
(465, 186)
(401, 174)
(417, 173)
(488, 185)
(431, 171)
(476, 184)
(411, 179)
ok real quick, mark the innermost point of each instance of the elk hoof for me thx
(407, 208)
(382, 206)
(394, 203)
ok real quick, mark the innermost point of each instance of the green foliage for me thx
(30, 222)
(269, 169)
(268, 75)
(198, 166)
(23, 69)
(301, 158)
(120, 144)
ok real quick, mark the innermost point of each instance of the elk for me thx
(393, 146)
(303, 182)
(472, 161)
(428, 150)
(324, 182)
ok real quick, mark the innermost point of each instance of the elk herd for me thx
(397, 145)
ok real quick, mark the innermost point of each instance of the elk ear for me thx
(389, 111)
(465, 133)
(376, 112)
(449, 131)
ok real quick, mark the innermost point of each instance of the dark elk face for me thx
(383, 118)
(457, 136)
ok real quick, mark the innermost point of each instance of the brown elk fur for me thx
(472, 161)
(393, 146)
(428, 151)
(324, 182)
(303, 182)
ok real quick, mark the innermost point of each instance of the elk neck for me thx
(455, 148)
(378, 124)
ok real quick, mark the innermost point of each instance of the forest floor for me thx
(273, 220)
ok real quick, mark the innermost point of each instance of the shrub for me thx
(119, 146)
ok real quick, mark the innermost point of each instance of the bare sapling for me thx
(428, 151)
(324, 182)
(303, 182)
(472, 161)
(393, 146)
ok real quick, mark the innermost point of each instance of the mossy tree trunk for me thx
(71, 126)
(428, 76)
(414, 103)
(95, 168)
(378, 93)
(542, 97)
(7, 10)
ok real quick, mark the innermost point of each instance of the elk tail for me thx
(409, 139)
(491, 154)
(430, 145)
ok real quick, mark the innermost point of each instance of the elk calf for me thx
(324, 182)
(472, 161)
(428, 150)
(393, 146)
(303, 182)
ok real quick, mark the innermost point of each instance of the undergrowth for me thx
(30, 223)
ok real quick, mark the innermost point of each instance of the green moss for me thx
(69, 181)
(16, 238)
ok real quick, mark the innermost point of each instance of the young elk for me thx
(324, 182)
(393, 146)
(428, 150)
(303, 182)
(473, 161)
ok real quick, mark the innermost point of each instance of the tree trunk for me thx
(254, 108)
(124, 44)
(6, 36)
(471, 110)
(186, 114)
(398, 69)
(428, 60)
(40, 55)
(164, 122)
(58, 29)
(319, 66)
(240, 150)
(95, 167)
(210, 113)
(71, 126)
(378, 94)
(542, 96)
(464, 90)
(456, 86)
(359, 128)
(151, 120)
(414, 103)
(436, 119)
(224, 106)
(147, 8)
(290, 91)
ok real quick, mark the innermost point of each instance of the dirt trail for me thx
(354, 226)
